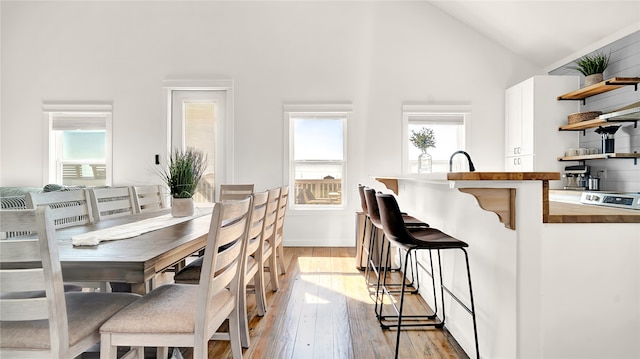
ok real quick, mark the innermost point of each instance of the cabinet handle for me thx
(515, 161)
(519, 160)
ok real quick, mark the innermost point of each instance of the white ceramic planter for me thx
(182, 207)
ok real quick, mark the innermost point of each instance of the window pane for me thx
(318, 183)
(84, 145)
(318, 139)
(200, 133)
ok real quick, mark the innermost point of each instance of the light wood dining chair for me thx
(184, 315)
(111, 202)
(148, 198)
(234, 192)
(37, 318)
(254, 271)
(276, 238)
(69, 208)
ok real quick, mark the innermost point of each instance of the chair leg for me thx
(273, 267)
(261, 299)
(161, 352)
(234, 335)
(473, 307)
(242, 315)
(281, 256)
(107, 350)
(404, 277)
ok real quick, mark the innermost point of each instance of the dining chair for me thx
(254, 272)
(233, 192)
(275, 241)
(148, 198)
(37, 318)
(185, 315)
(69, 208)
(111, 202)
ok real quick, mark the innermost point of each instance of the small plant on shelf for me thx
(592, 67)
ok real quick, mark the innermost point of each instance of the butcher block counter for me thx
(502, 201)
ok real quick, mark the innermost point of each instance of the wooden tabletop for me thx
(133, 260)
(503, 176)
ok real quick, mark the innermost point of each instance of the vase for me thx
(425, 163)
(182, 207)
(592, 79)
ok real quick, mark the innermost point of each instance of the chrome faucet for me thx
(471, 167)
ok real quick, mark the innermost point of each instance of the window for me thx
(317, 152)
(449, 126)
(79, 144)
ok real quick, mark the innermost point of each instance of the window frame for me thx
(293, 111)
(415, 110)
(56, 110)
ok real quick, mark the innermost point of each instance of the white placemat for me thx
(129, 230)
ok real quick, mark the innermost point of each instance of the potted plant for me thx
(592, 67)
(423, 139)
(181, 175)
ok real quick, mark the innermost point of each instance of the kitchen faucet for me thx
(471, 167)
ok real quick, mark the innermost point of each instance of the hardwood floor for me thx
(324, 310)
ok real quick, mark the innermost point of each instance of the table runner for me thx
(130, 230)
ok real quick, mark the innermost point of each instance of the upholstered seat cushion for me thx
(190, 273)
(86, 312)
(166, 309)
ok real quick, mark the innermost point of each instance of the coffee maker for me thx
(576, 177)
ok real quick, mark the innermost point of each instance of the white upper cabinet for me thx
(532, 118)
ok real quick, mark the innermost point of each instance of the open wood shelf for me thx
(601, 156)
(630, 114)
(601, 87)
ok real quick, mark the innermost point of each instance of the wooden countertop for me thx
(503, 176)
(563, 212)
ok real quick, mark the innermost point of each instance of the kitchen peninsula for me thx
(547, 282)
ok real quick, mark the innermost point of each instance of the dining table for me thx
(136, 260)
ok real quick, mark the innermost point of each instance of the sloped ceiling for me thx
(547, 32)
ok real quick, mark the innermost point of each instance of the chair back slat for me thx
(69, 208)
(112, 202)
(148, 198)
(234, 192)
(23, 280)
(24, 309)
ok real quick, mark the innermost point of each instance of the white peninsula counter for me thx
(546, 285)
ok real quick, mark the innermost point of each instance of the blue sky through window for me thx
(318, 139)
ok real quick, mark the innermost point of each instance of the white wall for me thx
(377, 55)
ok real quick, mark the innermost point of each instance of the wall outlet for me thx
(602, 173)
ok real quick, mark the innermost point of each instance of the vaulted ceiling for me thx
(547, 32)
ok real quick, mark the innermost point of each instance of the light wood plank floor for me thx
(325, 310)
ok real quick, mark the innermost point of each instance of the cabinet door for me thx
(519, 163)
(527, 134)
(513, 120)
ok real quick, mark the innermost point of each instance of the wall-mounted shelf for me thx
(602, 156)
(629, 114)
(601, 87)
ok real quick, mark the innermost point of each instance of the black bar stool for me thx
(430, 239)
(376, 259)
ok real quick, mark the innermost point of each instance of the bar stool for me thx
(385, 250)
(430, 239)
